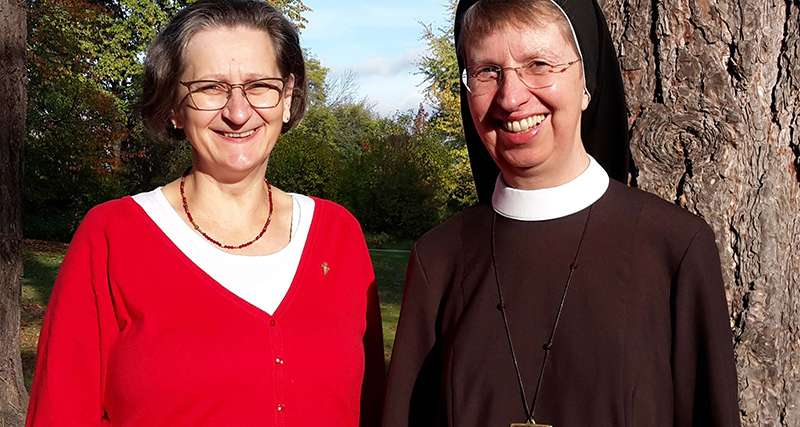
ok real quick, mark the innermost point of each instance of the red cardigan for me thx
(137, 335)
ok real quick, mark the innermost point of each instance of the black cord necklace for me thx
(530, 410)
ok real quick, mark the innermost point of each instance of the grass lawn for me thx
(40, 262)
(390, 271)
(42, 259)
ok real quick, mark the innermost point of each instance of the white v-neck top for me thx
(260, 280)
(553, 202)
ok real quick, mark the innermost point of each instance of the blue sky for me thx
(378, 41)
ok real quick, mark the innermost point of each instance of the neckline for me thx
(553, 202)
(294, 288)
(186, 231)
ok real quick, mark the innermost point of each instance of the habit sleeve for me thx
(413, 394)
(67, 383)
(703, 370)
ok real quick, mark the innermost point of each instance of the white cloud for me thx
(388, 66)
(393, 94)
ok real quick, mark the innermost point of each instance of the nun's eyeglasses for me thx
(537, 74)
(212, 95)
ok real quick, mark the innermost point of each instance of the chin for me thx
(523, 156)
(243, 159)
(231, 167)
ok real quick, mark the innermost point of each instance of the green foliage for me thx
(295, 10)
(397, 178)
(388, 189)
(316, 75)
(458, 183)
(400, 181)
(439, 66)
(84, 67)
(71, 153)
(305, 159)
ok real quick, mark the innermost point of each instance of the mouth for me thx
(523, 125)
(238, 136)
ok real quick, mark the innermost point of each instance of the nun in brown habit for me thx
(565, 298)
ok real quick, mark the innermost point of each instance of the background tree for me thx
(439, 66)
(12, 131)
(714, 112)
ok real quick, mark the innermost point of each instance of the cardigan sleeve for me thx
(373, 386)
(703, 369)
(67, 382)
(412, 395)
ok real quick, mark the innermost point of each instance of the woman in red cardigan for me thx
(216, 299)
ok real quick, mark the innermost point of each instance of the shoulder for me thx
(333, 214)
(448, 239)
(440, 258)
(657, 212)
(335, 229)
(113, 213)
(110, 223)
(659, 225)
(336, 225)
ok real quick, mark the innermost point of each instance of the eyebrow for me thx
(248, 77)
(529, 56)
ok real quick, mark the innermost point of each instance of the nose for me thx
(237, 111)
(512, 92)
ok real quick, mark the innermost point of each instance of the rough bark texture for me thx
(714, 116)
(12, 131)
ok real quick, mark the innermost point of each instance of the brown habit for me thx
(643, 339)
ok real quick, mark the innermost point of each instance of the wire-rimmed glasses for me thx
(212, 95)
(484, 79)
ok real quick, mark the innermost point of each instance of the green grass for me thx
(390, 269)
(42, 260)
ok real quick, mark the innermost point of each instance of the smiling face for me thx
(533, 135)
(237, 139)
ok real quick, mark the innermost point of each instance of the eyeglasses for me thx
(212, 95)
(485, 79)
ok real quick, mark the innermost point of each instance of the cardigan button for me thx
(272, 322)
(280, 407)
(279, 361)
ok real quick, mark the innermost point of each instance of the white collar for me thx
(552, 202)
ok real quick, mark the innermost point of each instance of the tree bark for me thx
(714, 114)
(13, 398)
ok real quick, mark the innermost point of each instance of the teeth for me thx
(524, 124)
(239, 134)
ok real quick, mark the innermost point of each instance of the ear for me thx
(586, 98)
(176, 119)
(287, 99)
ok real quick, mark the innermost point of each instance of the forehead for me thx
(229, 52)
(519, 42)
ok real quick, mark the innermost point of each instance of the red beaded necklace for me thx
(211, 239)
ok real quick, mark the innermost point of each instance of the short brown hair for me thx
(487, 16)
(164, 62)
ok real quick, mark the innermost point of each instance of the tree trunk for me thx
(714, 116)
(13, 397)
